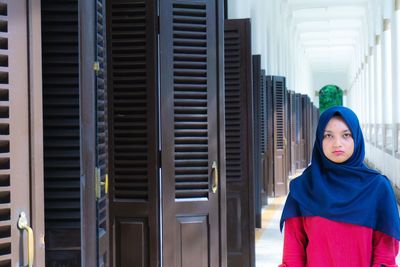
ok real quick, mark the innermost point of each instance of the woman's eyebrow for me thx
(328, 131)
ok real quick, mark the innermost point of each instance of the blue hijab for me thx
(347, 192)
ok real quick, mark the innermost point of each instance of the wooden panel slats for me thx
(130, 132)
(101, 110)
(279, 110)
(263, 112)
(240, 143)
(190, 100)
(61, 133)
(61, 109)
(232, 106)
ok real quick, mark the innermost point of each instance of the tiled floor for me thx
(269, 240)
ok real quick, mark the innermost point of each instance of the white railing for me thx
(388, 138)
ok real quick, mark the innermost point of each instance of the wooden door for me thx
(257, 163)
(133, 133)
(280, 172)
(192, 185)
(286, 131)
(303, 139)
(297, 130)
(269, 163)
(21, 164)
(292, 125)
(263, 142)
(288, 142)
(239, 143)
(62, 136)
(101, 171)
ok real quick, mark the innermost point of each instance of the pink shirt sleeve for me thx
(294, 243)
(385, 249)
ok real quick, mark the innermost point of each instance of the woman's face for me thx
(338, 143)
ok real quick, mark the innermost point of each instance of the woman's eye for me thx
(347, 135)
(327, 136)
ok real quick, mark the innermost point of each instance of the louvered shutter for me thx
(286, 132)
(101, 175)
(308, 130)
(8, 107)
(270, 134)
(239, 143)
(61, 121)
(303, 140)
(256, 110)
(133, 131)
(292, 140)
(190, 67)
(279, 136)
(263, 132)
(288, 125)
(296, 129)
(263, 111)
(14, 131)
(299, 124)
(263, 143)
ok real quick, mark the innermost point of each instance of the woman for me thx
(340, 213)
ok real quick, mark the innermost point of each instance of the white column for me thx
(386, 73)
(366, 90)
(364, 94)
(395, 69)
(378, 85)
(372, 87)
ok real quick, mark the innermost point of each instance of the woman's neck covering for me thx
(345, 192)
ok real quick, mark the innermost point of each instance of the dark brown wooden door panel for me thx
(61, 121)
(133, 130)
(132, 242)
(269, 162)
(280, 157)
(263, 142)
(193, 233)
(234, 227)
(257, 163)
(239, 143)
(15, 138)
(303, 141)
(101, 137)
(189, 71)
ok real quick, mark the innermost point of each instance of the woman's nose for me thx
(337, 142)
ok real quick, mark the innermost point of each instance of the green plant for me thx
(330, 95)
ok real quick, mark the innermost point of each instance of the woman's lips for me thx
(338, 152)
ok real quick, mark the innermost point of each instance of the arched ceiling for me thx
(328, 31)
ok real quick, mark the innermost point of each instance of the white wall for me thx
(320, 79)
(274, 39)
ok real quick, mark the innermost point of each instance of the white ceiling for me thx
(328, 30)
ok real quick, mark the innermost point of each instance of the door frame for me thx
(87, 102)
(36, 128)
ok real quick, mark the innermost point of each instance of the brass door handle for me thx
(23, 225)
(105, 184)
(99, 183)
(214, 167)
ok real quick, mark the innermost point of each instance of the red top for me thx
(316, 242)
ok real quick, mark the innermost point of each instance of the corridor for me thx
(164, 133)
